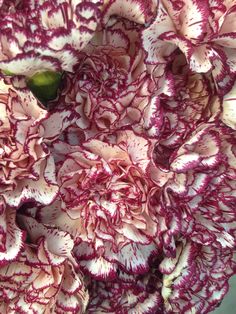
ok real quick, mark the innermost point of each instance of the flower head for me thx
(42, 278)
(196, 280)
(46, 36)
(26, 167)
(105, 192)
(201, 30)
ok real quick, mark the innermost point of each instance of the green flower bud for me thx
(45, 85)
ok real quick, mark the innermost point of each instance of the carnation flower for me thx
(27, 169)
(111, 88)
(198, 197)
(196, 280)
(46, 35)
(202, 30)
(192, 102)
(105, 189)
(42, 279)
(138, 11)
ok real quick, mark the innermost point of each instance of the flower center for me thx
(103, 76)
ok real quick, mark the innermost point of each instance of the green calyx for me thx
(45, 85)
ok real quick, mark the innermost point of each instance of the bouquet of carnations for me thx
(117, 156)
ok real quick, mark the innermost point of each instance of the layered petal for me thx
(198, 198)
(112, 88)
(126, 296)
(229, 108)
(105, 192)
(27, 169)
(134, 10)
(42, 278)
(196, 280)
(11, 236)
(44, 35)
(201, 31)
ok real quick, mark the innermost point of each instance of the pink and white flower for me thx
(120, 196)
(46, 35)
(43, 279)
(27, 169)
(196, 280)
(193, 102)
(125, 295)
(138, 11)
(202, 30)
(198, 196)
(105, 189)
(111, 88)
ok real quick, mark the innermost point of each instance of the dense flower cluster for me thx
(119, 194)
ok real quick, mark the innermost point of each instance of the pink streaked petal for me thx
(227, 40)
(76, 38)
(138, 11)
(71, 304)
(29, 64)
(133, 234)
(227, 21)
(72, 297)
(44, 190)
(221, 70)
(99, 268)
(178, 185)
(59, 242)
(135, 257)
(156, 49)
(14, 237)
(116, 38)
(200, 59)
(42, 281)
(185, 162)
(72, 282)
(57, 122)
(198, 185)
(138, 148)
(68, 56)
(153, 118)
(173, 267)
(106, 150)
(183, 43)
(194, 19)
(229, 108)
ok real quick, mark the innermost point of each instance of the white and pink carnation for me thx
(46, 35)
(27, 169)
(119, 195)
(193, 102)
(42, 279)
(198, 196)
(203, 30)
(196, 279)
(105, 189)
(111, 88)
